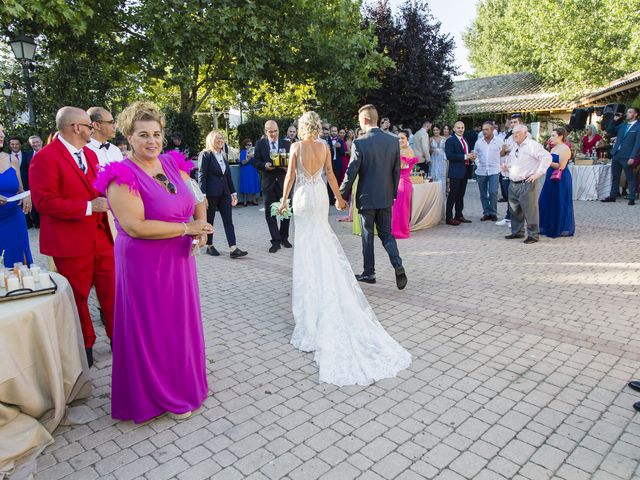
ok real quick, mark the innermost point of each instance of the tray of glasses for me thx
(22, 292)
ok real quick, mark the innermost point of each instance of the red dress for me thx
(588, 146)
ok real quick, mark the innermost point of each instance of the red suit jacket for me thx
(60, 192)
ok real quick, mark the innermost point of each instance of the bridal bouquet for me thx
(275, 207)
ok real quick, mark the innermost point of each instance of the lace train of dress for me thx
(332, 315)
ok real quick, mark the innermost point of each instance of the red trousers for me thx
(83, 272)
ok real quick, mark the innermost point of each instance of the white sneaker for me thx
(505, 222)
(179, 416)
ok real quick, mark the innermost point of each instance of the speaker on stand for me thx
(579, 118)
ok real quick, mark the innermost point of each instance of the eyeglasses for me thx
(162, 178)
(90, 127)
(110, 122)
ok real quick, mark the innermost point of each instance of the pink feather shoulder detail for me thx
(117, 172)
(180, 160)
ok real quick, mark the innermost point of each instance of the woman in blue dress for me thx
(249, 178)
(14, 237)
(438, 169)
(556, 198)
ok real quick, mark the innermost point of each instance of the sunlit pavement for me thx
(521, 356)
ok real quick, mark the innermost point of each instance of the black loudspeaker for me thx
(609, 111)
(579, 118)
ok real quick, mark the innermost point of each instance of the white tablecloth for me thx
(427, 205)
(590, 182)
(43, 367)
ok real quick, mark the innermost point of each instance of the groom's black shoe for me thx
(286, 244)
(366, 278)
(274, 248)
(237, 253)
(401, 278)
(211, 250)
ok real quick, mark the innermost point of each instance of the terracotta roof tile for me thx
(516, 92)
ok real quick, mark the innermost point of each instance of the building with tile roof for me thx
(500, 95)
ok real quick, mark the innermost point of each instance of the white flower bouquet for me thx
(275, 211)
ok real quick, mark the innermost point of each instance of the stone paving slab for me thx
(521, 354)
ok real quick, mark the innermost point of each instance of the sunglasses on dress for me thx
(162, 178)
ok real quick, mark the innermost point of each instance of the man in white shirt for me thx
(488, 149)
(104, 129)
(421, 146)
(528, 162)
(515, 119)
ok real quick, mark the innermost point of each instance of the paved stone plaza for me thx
(521, 355)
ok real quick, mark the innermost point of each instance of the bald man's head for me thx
(66, 116)
(104, 126)
(458, 127)
(74, 125)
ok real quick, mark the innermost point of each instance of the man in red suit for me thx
(74, 229)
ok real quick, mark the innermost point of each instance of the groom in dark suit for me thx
(272, 182)
(375, 160)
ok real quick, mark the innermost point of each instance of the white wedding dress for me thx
(332, 316)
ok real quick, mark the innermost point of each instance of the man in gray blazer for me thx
(422, 147)
(623, 153)
(375, 160)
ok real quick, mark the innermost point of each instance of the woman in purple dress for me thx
(401, 213)
(158, 343)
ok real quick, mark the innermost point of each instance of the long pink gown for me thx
(401, 213)
(158, 342)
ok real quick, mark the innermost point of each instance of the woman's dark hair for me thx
(433, 127)
(245, 142)
(406, 132)
(561, 133)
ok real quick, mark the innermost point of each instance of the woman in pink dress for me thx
(158, 344)
(401, 213)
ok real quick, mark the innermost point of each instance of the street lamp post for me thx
(24, 49)
(226, 123)
(6, 91)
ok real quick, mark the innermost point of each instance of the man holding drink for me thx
(268, 152)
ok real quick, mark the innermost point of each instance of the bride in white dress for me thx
(332, 316)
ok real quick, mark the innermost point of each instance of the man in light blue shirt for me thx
(488, 149)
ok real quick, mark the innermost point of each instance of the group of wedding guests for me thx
(145, 280)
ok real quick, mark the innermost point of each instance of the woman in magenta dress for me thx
(401, 213)
(158, 343)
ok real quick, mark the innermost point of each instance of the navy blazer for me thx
(338, 153)
(213, 182)
(270, 178)
(458, 167)
(24, 168)
(627, 144)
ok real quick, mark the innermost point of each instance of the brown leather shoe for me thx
(463, 220)
(453, 222)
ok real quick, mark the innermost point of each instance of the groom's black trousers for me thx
(381, 218)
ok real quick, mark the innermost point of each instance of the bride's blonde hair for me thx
(309, 125)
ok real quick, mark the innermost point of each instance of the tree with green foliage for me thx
(420, 85)
(573, 45)
(15, 14)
